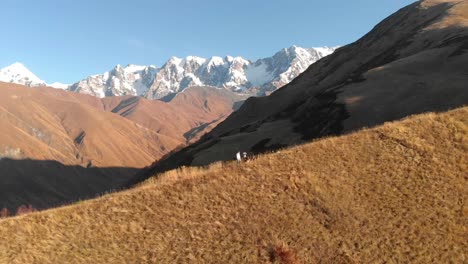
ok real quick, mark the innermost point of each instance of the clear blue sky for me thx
(67, 40)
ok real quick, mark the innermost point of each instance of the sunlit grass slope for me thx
(394, 194)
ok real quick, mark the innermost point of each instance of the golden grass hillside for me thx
(393, 194)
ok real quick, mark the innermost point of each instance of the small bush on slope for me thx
(23, 209)
(4, 212)
(395, 193)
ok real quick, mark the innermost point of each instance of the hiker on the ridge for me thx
(238, 156)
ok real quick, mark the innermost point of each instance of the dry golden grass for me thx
(393, 194)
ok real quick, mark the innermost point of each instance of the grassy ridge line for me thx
(395, 193)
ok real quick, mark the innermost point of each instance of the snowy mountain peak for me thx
(17, 67)
(196, 59)
(293, 50)
(325, 51)
(216, 60)
(129, 80)
(174, 60)
(18, 73)
(135, 68)
(239, 60)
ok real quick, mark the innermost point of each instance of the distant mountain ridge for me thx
(234, 73)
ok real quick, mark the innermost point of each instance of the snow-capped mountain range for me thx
(235, 73)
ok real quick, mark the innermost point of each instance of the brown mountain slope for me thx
(43, 127)
(187, 116)
(194, 110)
(58, 146)
(391, 194)
(46, 143)
(413, 61)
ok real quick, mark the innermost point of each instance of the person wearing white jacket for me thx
(238, 156)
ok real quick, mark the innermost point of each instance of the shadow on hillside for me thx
(44, 183)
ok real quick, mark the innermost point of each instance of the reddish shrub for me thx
(281, 253)
(4, 212)
(25, 209)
